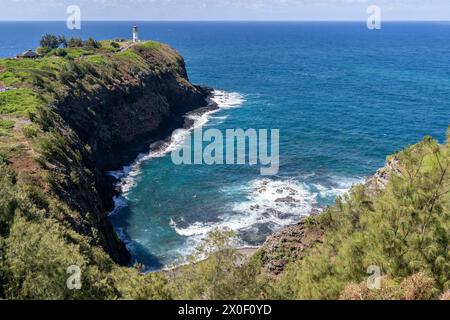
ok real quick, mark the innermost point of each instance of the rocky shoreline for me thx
(154, 143)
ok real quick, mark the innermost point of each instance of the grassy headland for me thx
(67, 110)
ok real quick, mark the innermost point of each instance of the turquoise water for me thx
(343, 97)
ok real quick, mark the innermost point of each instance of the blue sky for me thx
(224, 9)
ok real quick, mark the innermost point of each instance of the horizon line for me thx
(225, 20)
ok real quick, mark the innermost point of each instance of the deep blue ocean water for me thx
(344, 97)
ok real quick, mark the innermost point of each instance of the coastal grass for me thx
(22, 72)
(151, 45)
(72, 53)
(44, 80)
(110, 46)
(20, 102)
(11, 149)
(5, 126)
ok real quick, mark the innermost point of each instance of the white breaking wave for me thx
(216, 120)
(127, 175)
(339, 186)
(227, 100)
(274, 202)
(224, 100)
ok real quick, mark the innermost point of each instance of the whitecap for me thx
(226, 100)
(337, 186)
(216, 120)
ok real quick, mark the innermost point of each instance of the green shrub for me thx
(19, 102)
(91, 43)
(75, 42)
(49, 41)
(43, 51)
(30, 131)
(60, 52)
(6, 124)
(8, 203)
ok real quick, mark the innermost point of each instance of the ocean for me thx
(343, 97)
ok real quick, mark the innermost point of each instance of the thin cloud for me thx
(224, 9)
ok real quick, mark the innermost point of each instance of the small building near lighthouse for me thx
(135, 34)
(30, 54)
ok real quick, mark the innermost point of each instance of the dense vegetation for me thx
(403, 229)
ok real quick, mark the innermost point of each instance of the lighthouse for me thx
(135, 34)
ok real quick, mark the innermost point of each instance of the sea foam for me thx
(275, 203)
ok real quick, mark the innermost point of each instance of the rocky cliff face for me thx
(145, 98)
(138, 106)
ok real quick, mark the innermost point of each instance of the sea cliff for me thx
(72, 117)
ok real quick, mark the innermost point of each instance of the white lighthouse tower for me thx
(135, 34)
